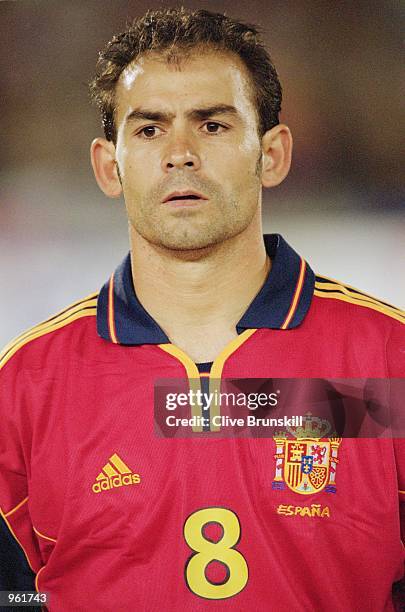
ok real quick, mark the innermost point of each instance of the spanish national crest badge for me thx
(306, 462)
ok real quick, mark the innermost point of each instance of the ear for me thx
(277, 150)
(102, 153)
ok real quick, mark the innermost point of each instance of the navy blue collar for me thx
(282, 302)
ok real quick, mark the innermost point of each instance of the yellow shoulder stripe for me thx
(359, 302)
(83, 308)
(352, 291)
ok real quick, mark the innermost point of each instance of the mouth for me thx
(184, 198)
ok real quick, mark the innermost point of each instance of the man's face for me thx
(188, 149)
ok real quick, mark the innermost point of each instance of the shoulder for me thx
(57, 329)
(337, 296)
(358, 324)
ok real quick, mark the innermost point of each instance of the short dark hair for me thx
(172, 30)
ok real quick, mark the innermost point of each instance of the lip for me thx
(184, 197)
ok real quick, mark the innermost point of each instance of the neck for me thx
(204, 293)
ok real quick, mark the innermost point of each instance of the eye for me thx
(212, 127)
(149, 132)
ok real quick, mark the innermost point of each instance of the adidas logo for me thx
(115, 473)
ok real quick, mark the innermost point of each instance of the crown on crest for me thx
(313, 427)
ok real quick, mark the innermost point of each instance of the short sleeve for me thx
(14, 493)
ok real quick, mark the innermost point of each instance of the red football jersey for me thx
(113, 517)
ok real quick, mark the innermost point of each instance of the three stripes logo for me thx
(114, 474)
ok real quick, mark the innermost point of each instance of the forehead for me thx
(209, 77)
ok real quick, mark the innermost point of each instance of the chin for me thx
(189, 237)
(187, 242)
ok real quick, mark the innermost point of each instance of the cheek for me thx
(250, 145)
(241, 166)
(121, 155)
(135, 157)
(139, 170)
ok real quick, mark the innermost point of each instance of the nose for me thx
(180, 155)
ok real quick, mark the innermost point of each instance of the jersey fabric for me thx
(110, 516)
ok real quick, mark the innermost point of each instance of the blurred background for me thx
(342, 206)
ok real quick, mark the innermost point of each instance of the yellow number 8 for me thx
(206, 551)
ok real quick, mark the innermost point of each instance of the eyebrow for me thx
(200, 114)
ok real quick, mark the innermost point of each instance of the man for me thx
(109, 514)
